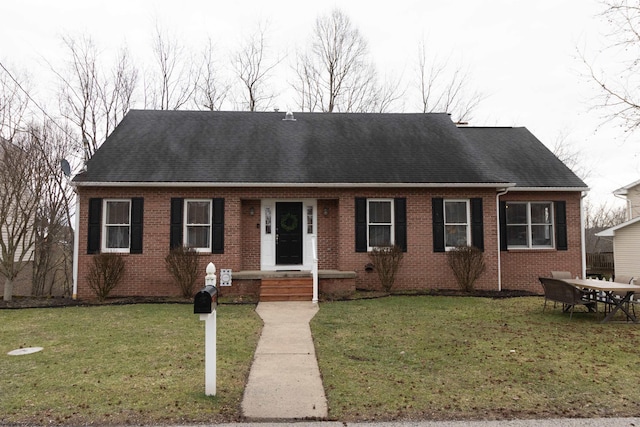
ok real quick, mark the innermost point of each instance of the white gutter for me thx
(623, 196)
(297, 184)
(502, 193)
(547, 189)
(76, 245)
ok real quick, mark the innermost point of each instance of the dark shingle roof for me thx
(520, 157)
(316, 148)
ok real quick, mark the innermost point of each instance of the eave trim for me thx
(293, 185)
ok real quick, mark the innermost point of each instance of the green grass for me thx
(418, 357)
(122, 364)
(473, 358)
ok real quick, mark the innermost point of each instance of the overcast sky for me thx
(521, 54)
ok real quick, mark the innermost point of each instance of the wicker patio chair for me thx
(560, 291)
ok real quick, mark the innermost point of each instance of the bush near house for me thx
(467, 263)
(105, 273)
(386, 261)
(182, 264)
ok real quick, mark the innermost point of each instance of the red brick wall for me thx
(250, 238)
(521, 268)
(328, 242)
(421, 268)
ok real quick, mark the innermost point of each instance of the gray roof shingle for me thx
(318, 148)
(520, 157)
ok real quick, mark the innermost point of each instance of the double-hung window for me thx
(380, 220)
(117, 226)
(197, 225)
(456, 223)
(529, 225)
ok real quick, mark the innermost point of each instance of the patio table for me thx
(609, 288)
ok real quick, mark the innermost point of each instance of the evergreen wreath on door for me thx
(289, 222)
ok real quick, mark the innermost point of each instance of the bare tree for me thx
(444, 88)
(571, 156)
(619, 83)
(211, 91)
(21, 171)
(53, 246)
(336, 72)
(598, 218)
(125, 81)
(91, 100)
(388, 93)
(253, 68)
(13, 102)
(171, 84)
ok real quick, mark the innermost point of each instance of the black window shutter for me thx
(177, 205)
(437, 211)
(560, 208)
(217, 230)
(504, 241)
(95, 219)
(361, 224)
(137, 208)
(477, 224)
(400, 206)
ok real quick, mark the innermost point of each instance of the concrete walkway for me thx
(284, 381)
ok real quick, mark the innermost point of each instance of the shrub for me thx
(105, 273)
(386, 261)
(182, 264)
(467, 263)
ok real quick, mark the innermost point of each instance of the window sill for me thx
(531, 250)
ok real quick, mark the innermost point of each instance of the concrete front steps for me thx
(286, 289)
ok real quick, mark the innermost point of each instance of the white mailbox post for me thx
(208, 315)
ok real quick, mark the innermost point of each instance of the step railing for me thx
(314, 268)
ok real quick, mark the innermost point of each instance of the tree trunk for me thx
(8, 289)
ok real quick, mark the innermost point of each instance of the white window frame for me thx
(529, 226)
(391, 224)
(186, 225)
(467, 224)
(105, 226)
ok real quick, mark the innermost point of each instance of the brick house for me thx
(252, 192)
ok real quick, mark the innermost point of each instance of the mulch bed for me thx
(46, 302)
(51, 302)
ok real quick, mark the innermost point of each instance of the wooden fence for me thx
(600, 264)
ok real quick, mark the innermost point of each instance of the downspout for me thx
(502, 193)
(76, 245)
(583, 243)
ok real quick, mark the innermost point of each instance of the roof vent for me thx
(289, 117)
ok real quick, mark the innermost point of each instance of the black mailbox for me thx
(206, 300)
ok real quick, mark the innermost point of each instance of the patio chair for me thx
(618, 295)
(561, 275)
(560, 291)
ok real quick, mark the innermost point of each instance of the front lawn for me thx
(132, 364)
(473, 358)
(418, 357)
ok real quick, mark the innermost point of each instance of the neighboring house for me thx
(12, 231)
(626, 236)
(631, 193)
(252, 191)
